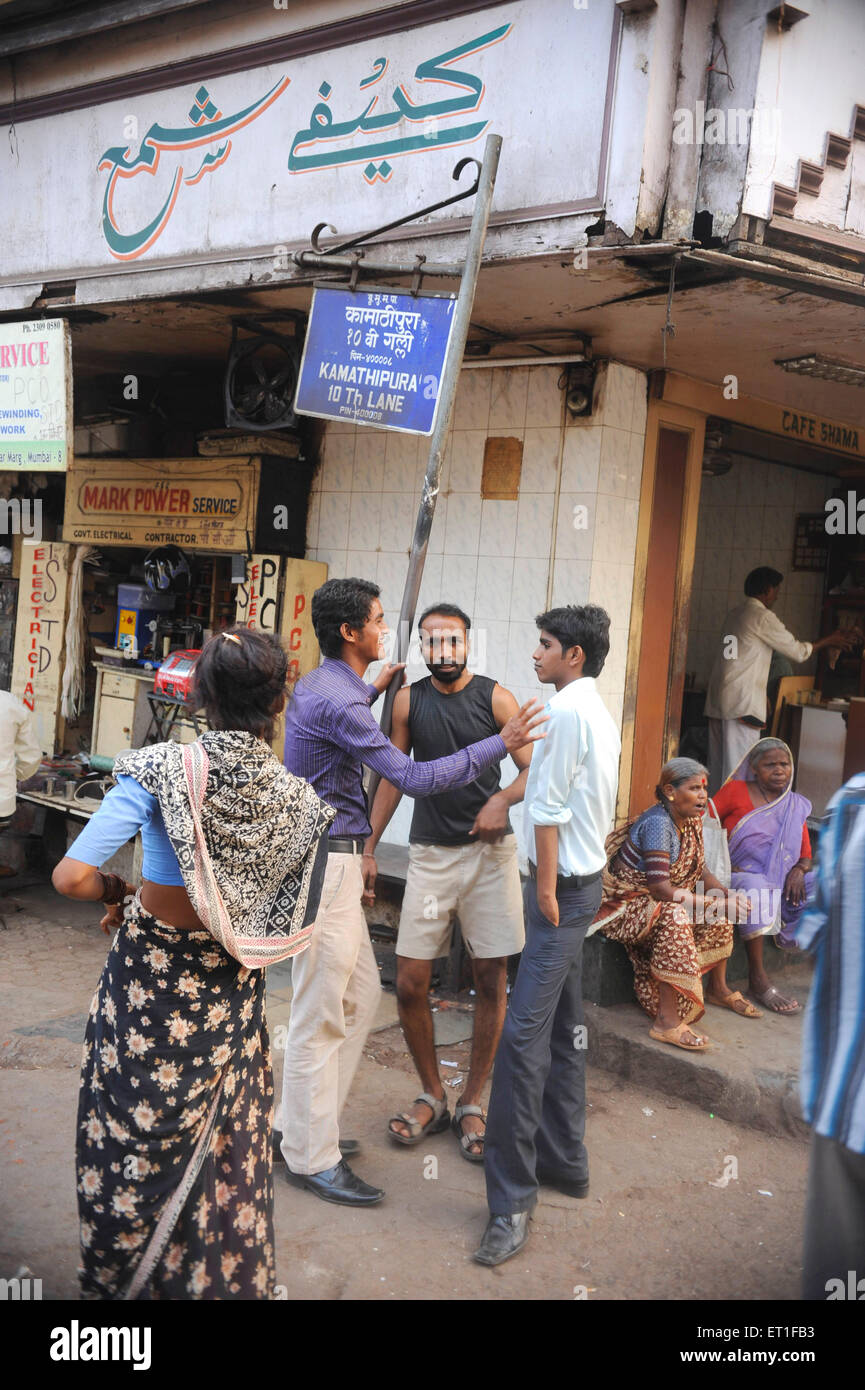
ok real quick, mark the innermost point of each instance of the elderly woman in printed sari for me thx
(174, 1172)
(770, 855)
(671, 915)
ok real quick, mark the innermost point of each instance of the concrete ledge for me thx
(749, 1075)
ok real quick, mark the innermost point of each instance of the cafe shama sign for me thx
(206, 504)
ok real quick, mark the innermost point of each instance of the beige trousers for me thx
(335, 994)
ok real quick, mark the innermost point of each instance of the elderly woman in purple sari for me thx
(770, 855)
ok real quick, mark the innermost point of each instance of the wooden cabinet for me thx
(121, 714)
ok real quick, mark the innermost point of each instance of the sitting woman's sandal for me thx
(673, 1036)
(467, 1140)
(440, 1120)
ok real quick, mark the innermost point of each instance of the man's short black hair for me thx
(760, 580)
(447, 610)
(587, 627)
(341, 601)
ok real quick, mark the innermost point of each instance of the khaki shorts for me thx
(480, 882)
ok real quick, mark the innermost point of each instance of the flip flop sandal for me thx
(673, 1036)
(737, 1003)
(466, 1140)
(773, 994)
(439, 1121)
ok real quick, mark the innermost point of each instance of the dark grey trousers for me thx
(537, 1110)
(834, 1222)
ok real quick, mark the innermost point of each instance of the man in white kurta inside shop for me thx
(736, 705)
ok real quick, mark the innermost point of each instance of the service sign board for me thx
(358, 133)
(202, 503)
(37, 661)
(375, 357)
(35, 396)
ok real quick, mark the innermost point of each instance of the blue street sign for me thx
(375, 358)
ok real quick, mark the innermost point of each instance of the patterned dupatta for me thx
(628, 889)
(250, 839)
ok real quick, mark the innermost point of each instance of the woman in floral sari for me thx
(656, 904)
(175, 1187)
(770, 854)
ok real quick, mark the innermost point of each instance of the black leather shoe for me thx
(349, 1148)
(338, 1184)
(565, 1185)
(504, 1236)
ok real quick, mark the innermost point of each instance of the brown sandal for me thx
(737, 1002)
(673, 1036)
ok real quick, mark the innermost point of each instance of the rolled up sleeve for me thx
(561, 753)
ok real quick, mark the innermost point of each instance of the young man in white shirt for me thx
(736, 704)
(537, 1108)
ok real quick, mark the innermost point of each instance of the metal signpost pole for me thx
(438, 439)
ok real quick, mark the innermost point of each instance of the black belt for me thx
(345, 844)
(569, 880)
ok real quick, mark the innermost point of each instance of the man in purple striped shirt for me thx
(330, 735)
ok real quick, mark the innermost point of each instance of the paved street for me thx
(652, 1227)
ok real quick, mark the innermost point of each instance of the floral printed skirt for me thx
(173, 1152)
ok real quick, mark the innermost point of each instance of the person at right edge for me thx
(537, 1107)
(832, 1077)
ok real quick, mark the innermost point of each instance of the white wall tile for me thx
(472, 404)
(571, 580)
(636, 449)
(369, 453)
(529, 589)
(544, 400)
(390, 577)
(313, 517)
(613, 475)
(439, 527)
(508, 398)
(498, 528)
(362, 564)
(430, 588)
(338, 467)
(459, 576)
(534, 524)
(365, 521)
(333, 522)
(398, 511)
(335, 561)
(466, 461)
(493, 588)
(575, 542)
(464, 524)
(400, 462)
(489, 650)
(540, 460)
(581, 459)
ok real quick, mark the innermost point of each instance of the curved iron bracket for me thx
(400, 221)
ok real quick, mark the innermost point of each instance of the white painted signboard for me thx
(249, 162)
(35, 396)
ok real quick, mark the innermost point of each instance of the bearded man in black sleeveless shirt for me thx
(463, 858)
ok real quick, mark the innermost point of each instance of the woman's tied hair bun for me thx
(239, 679)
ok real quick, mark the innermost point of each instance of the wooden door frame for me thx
(691, 422)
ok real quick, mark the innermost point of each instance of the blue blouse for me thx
(127, 809)
(653, 835)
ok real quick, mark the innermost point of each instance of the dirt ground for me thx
(655, 1225)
